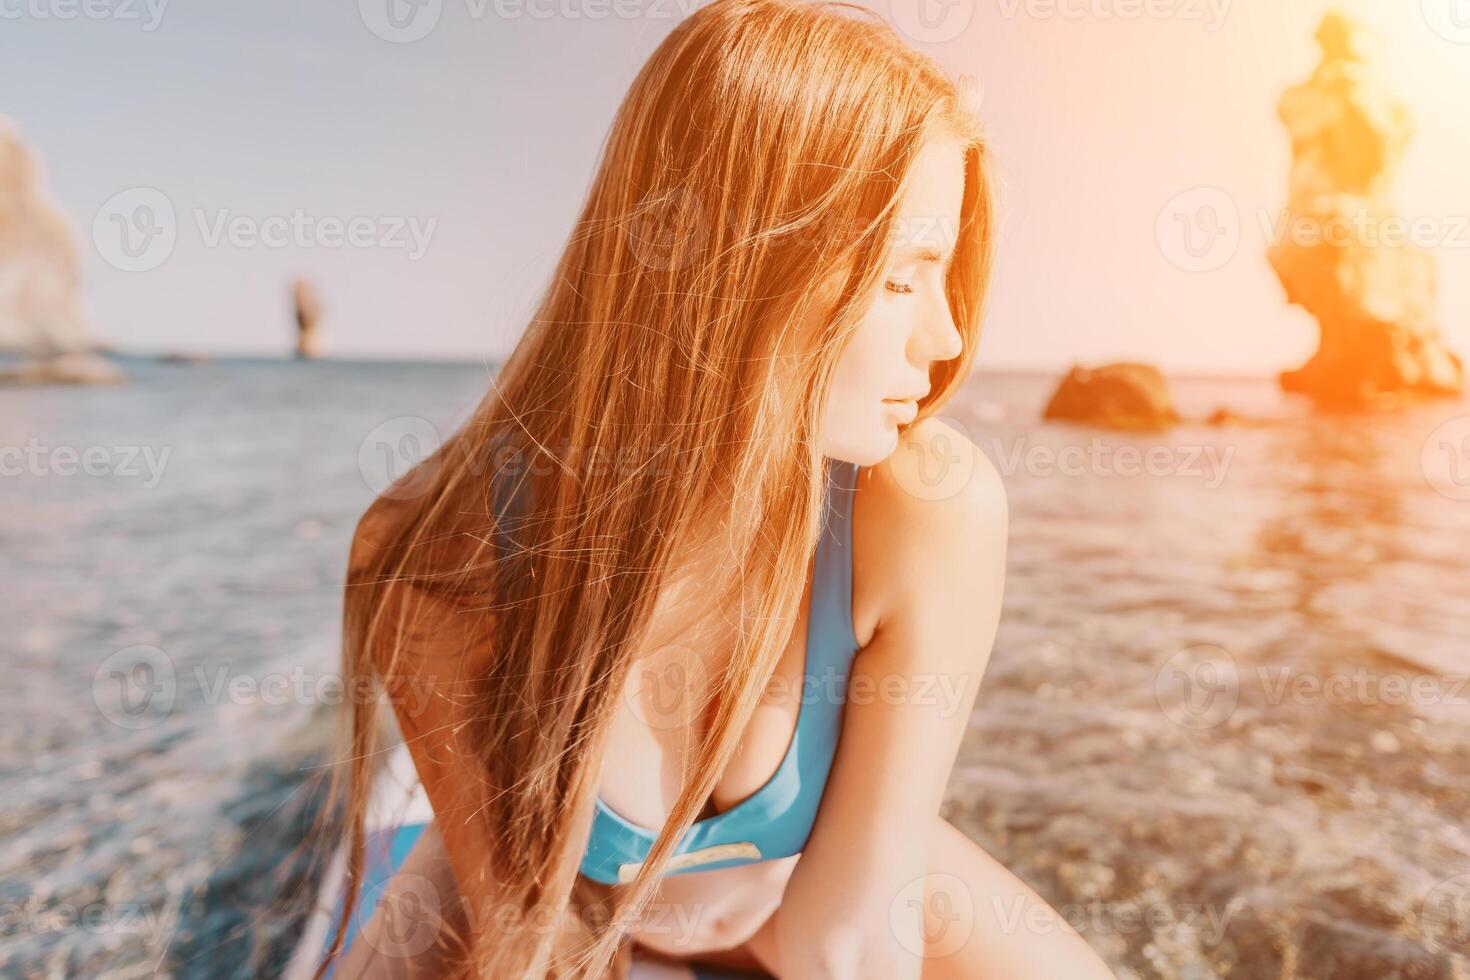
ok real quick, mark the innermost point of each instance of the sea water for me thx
(1188, 740)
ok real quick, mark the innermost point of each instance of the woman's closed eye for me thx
(898, 286)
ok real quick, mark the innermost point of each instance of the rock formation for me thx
(42, 313)
(41, 309)
(1342, 252)
(73, 368)
(1115, 396)
(308, 319)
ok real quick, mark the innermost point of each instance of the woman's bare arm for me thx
(909, 697)
(427, 687)
(414, 927)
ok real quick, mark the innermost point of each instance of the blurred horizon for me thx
(410, 359)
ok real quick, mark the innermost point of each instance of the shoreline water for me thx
(1294, 834)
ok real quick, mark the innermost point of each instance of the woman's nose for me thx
(940, 338)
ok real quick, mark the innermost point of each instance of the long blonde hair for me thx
(673, 372)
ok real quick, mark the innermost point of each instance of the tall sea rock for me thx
(41, 307)
(308, 318)
(1343, 253)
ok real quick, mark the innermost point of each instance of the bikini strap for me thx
(833, 640)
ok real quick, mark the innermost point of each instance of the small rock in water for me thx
(1115, 396)
(66, 369)
(1223, 416)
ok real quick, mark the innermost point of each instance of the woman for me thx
(711, 467)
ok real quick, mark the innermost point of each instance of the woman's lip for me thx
(911, 407)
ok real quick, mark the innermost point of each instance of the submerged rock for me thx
(1342, 253)
(1224, 415)
(1115, 396)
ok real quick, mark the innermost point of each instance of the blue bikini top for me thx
(776, 820)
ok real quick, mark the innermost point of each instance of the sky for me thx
(423, 162)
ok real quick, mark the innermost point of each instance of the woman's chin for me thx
(882, 445)
(869, 446)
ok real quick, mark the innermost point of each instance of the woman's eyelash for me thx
(904, 287)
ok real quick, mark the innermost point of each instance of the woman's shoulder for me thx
(935, 497)
(377, 527)
(456, 529)
(395, 580)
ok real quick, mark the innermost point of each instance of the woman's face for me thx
(884, 369)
